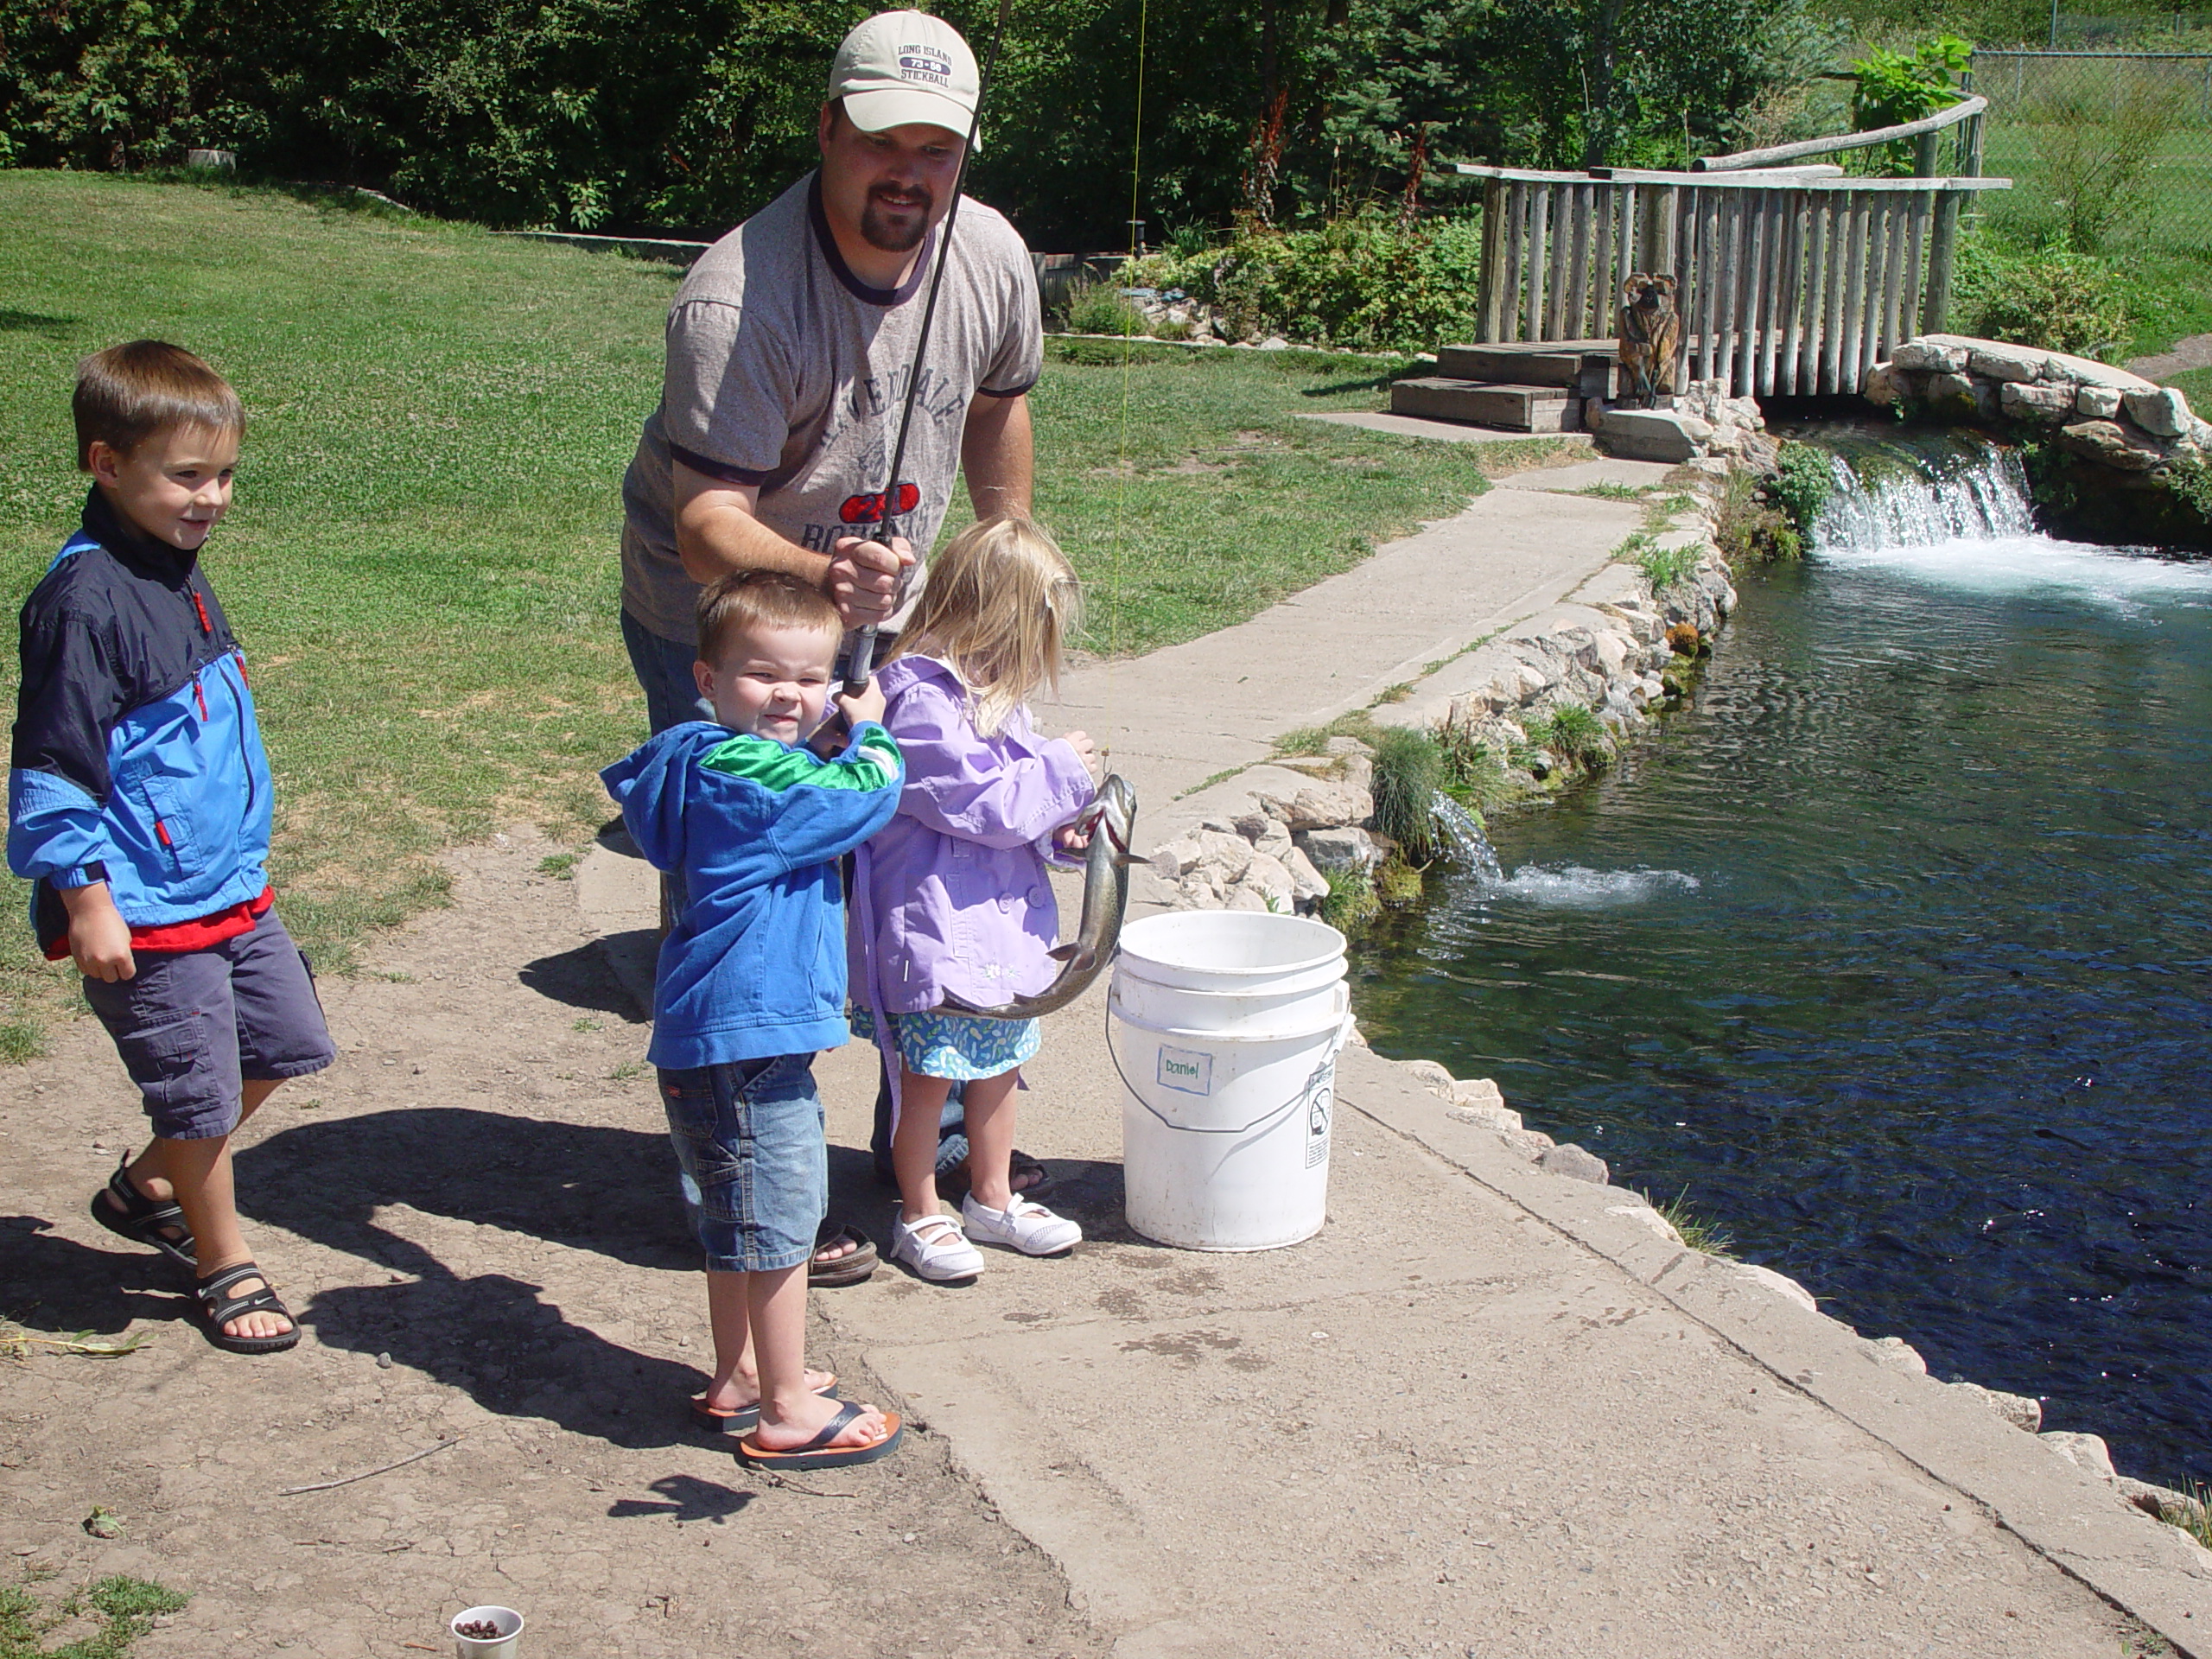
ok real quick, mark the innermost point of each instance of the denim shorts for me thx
(193, 1026)
(755, 1156)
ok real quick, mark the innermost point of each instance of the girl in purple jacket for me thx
(951, 897)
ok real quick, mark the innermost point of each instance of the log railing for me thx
(1926, 133)
(1793, 281)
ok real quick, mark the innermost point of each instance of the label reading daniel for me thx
(1186, 1070)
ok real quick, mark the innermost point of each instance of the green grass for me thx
(2165, 258)
(121, 1609)
(422, 557)
(1697, 1232)
(1190, 495)
(2196, 385)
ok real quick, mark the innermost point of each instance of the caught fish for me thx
(1109, 820)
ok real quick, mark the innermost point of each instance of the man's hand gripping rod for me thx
(863, 658)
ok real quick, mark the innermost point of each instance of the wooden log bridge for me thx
(1794, 280)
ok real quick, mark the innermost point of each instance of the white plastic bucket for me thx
(1225, 1025)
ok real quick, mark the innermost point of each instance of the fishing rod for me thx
(863, 658)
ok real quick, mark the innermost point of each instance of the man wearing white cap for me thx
(788, 351)
(789, 346)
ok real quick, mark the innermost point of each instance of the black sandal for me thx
(217, 1310)
(142, 1220)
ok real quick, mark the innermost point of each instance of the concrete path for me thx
(2193, 353)
(1180, 716)
(1487, 1410)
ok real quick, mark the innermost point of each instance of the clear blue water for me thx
(1895, 953)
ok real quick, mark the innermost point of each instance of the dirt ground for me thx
(473, 1215)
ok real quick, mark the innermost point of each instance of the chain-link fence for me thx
(2103, 145)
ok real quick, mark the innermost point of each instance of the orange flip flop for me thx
(818, 1453)
(739, 1418)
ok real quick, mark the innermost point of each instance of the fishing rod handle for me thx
(862, 663)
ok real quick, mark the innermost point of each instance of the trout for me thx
(1109, 821)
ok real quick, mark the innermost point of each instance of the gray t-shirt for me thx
(787, 372)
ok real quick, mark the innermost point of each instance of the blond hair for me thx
(746, 601)
(127, 393)
(1002, 599)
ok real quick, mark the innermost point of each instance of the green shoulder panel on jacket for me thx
(873, 764)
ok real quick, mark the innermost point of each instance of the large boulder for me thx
(2162, 411)
(2098, 403)
(1996, 361)
(1652, 434)
(1348, 848)
(2113, 445)
(2046, 404)
(1324, 805)
(1930, 357)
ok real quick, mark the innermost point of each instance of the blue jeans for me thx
(755, 1157)
(664, 670)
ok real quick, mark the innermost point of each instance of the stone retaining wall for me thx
(2123, 444)
(1271, 845)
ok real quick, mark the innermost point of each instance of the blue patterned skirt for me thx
(955, 1045)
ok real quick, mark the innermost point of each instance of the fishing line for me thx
(1129, 355)
(888, 507)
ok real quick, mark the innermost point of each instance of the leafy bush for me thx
(1408, 776)
(1474, 774)
(1361, 282)
(2049, 298)
(1351, 903)
(1662, 567)
(1894, 89)
(1803, 483)
(1748, 531)
(1575, 735)
(2191, 482)
(1099, 309)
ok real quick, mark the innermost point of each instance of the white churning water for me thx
(1567, 887)
(1967, 523)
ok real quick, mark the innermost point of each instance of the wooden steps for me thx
(1523, 386)
(1508, 408)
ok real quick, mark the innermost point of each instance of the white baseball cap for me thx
(904, 66)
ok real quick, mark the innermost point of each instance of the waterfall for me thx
(1921, 501)
(1463, 830)
(1565, 887)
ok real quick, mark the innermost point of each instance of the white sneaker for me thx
(933, 1247)
(1030, 1228)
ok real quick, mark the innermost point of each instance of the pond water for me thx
(1894, 953)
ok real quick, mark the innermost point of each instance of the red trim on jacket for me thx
(194, 935)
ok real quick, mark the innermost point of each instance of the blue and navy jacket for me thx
(755, 965)
(136, 759)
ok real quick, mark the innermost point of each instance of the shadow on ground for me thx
(56, 1285)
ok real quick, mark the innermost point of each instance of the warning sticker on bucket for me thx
(1188, 1070)
(1320, 1097)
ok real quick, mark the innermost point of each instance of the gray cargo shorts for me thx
(194, 1027)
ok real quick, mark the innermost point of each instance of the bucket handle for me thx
(1336, 1047)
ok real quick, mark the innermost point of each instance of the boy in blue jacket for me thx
(751, 982)
(138, 801)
